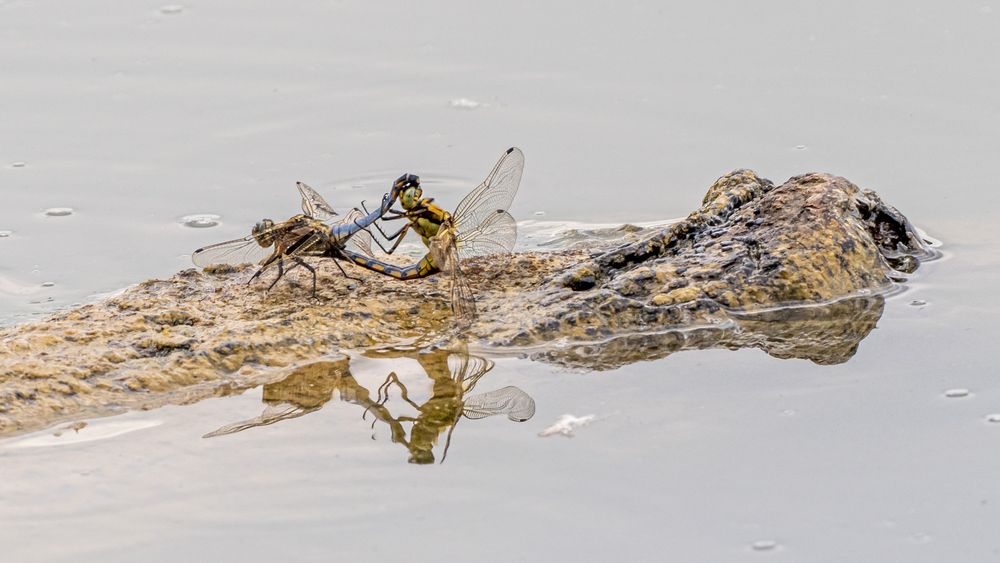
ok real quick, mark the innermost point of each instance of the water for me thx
(59, 211)
(137, 115)
(200, 220)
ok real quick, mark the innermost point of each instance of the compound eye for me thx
(408, 181)
(260, 232)
(262, 225)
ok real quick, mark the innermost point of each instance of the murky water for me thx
(145, 121)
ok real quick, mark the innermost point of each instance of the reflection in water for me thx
(453, 375)
(826, 334)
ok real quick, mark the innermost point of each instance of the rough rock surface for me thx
(796, 270)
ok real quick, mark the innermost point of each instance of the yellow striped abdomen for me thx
(425, 267)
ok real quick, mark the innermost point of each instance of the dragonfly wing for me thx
(444, 252)
(271, 414)
(361, 241)
(463, 302)
(468, 369)
(511, 401)
(239, 251)
(313, 204)
(496, 234)
(495, 193)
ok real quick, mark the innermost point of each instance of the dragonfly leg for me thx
(385, 199)
(312, 271)
(399, 215)
(281, 272)
(346, 275)
(403, 393)
(270, 260)
(383, 390)
(379, 401)
(397, 235)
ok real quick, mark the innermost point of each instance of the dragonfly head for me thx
(262, 232)
(407, 188)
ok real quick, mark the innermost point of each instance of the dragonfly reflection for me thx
(454, 375)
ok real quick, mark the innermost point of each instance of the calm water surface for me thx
(135, 116)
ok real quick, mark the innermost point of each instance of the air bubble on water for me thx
(171, 9)
(59, 211)
(918, 302)
(764, 545)
(465, 103)
(995, 417)
(200, 220)
(539, 214)
(800, 147)
(18, 164)
(358, 186)
(48, 284)
(5, 234)
(956, 393)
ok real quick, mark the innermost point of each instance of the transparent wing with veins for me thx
(272, 414)
(247, 250)
(511, 401)
(313, 204)
(496, 193)
(244, 250)
(496, 234)
(361, 241)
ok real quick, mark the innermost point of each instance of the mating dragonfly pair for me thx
(480, 225)
(418, 424)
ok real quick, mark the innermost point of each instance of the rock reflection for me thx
(454, 375)
(825, 334)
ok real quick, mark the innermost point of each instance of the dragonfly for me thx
(453, 376)
(317, 231)
(480, 225)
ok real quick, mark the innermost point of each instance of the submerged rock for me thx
(796, 270)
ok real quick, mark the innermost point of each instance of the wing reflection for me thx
(453, 374)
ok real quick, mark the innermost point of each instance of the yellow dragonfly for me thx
(479, 225)
(452, 375)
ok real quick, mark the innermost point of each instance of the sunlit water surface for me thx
(121, 121)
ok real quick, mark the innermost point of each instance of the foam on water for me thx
(200, 220)
(465, 103)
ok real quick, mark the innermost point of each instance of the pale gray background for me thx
(626, 111)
